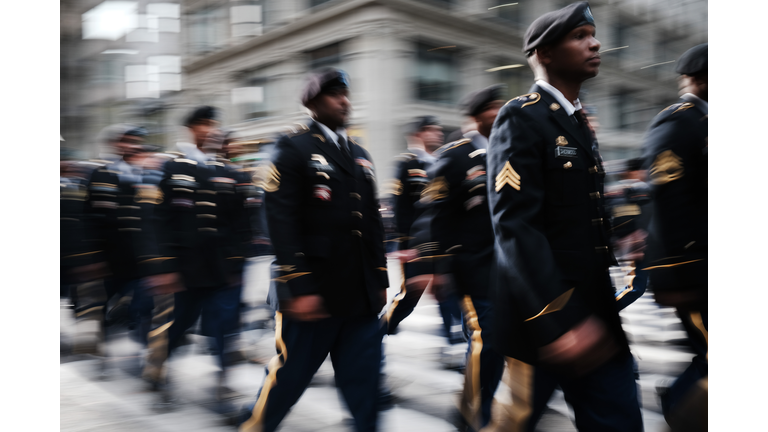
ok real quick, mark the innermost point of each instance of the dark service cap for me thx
(693, 61)
(323, 80)
(477, 101)
(552, 26)
(421, 122)
(204, 112)
(137, 131)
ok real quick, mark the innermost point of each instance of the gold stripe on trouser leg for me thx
(514, 417)
(471, 403)
(399, 296)
(699, 324)
(89, 324)
(256, 422)
(162, 314)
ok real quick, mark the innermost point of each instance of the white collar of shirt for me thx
(699, 102)
(192, 152)
(422, 154)
(331, 135)
(478, 140)
(569, 107)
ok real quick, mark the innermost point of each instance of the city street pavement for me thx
(425, 390)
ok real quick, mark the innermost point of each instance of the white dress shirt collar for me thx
(331, 135)
(570, 107)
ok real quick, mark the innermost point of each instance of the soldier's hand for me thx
(91, 272)
(582, 349)
(632, 246)
(419, 283)
(305, 308)
(166, 283)
(404, 255)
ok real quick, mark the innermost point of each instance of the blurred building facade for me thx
(405, 58)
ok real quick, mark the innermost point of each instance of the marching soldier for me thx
(424, 137)
(111, 229)
(324, 222)
(555, 317)
(198, 244)
(675, 154)
(453, 236)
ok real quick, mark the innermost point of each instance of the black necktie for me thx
(344, 147)
(591, 135)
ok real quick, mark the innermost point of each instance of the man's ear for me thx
(535, 61)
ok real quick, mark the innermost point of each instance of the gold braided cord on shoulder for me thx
(556, 305)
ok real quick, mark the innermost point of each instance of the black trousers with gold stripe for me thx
(605, 400)
(685, 403)
(354, 344)
(485, 365)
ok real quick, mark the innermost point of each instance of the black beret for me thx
(323, 80)
(552, 26)
(421, 122)
(204, 112)
(693, 61)
(136, 131)
(477, 101)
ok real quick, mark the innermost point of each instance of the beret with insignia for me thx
(421, 122)
(552, 26)
(693, 61)
(323, 80)
(201, 113)
(477, 101)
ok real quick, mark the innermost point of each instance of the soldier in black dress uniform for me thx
(555, 317)
(675, 154)
(324, 222)
(197, 248)
(425, 136)
(454, 240)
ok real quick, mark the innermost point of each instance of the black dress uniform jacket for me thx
(453, 231)
(201, 224)
(552, 244)
(408, 184)
(324, 223)
(676, 157)
(114, 217)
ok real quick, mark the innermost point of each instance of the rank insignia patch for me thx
(555, 106)
(322, 192)
(666, 167)
(435, 190)
(268, 178)
(149, 194)
(507, 176)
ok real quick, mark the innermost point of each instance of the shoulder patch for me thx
(267, 178)
(296, 129)
(666, 167)
(453, 145)
(528, 99)
(435, 190)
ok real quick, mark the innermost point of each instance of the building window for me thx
(517, 80)
(436, 73)
(168, 70)
(147, 29)
(508, 11)
(209, 30)
(142, 81)
(327, 56)
(313, 3)
(167, 16)
(246, 20)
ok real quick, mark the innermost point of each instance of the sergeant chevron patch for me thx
(507, 176)
(666, 167)
(268, 178)
(435, 190)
